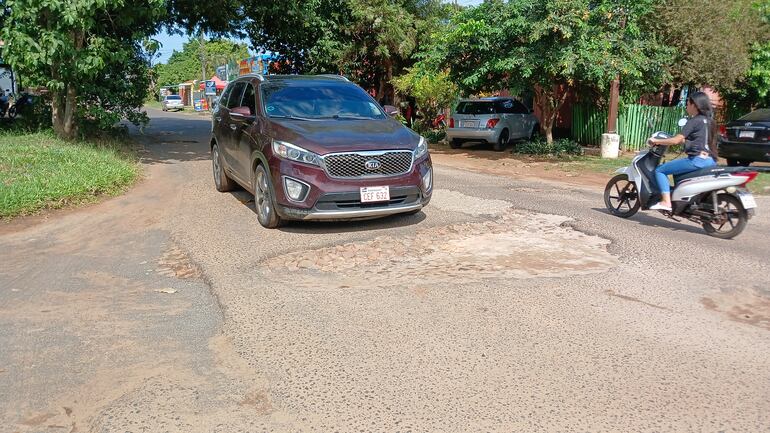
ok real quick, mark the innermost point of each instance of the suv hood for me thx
(343, 135)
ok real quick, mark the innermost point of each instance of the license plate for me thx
(468, 124)
(747, 199)
(371, 194)
(746, 134)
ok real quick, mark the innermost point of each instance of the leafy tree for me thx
(433, 91)
(370, 41)
(550, 47)
(186, 64)
(713, 39)
(77, 48)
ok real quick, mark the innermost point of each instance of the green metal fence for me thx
(589, 123)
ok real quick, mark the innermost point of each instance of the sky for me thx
(174, 42)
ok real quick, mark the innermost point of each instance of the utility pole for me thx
(202, 51)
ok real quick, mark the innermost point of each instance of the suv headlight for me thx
(295, 153)
(422, 148)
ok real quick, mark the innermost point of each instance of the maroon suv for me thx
(316, 147)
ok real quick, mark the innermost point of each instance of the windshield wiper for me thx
(290, 117)
(347, 117)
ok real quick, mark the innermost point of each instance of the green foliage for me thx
(560, 147)
(39, 171)
(712, 38)
(185, 65)
(369, 41)
(76, 48)
(549, 46)
(433, 91)
(753, 91)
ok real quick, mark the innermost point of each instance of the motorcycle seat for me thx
(708, 171)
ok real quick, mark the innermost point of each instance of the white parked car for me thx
(492, 120)
(172, 102)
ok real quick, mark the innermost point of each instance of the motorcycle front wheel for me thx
(12, 112)
(730, 220)
(621, 197)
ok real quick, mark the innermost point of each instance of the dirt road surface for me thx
(509, 304)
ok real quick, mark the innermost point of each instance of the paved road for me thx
(507, 305)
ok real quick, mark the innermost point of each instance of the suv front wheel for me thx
(264, 199)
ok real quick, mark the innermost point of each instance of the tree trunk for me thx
(550, 102)
(70, 127)
(57, 113)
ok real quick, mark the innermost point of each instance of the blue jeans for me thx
(679, 166)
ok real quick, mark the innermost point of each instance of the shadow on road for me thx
(654, 221)
(315, 227)
(173, 137)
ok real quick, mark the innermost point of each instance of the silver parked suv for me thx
(493, 120)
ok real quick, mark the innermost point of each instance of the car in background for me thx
(171, 102)
(493, 120)
(316, 148)
(747, 139)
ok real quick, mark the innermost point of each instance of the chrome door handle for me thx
(233, 127)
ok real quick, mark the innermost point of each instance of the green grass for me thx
(39, 171)
(153, 104)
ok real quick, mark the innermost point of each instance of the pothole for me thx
(745, 306)
(514, 245)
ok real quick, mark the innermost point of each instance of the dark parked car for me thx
(316, 147)
(746, 140)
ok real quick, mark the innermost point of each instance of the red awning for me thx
(220, 84)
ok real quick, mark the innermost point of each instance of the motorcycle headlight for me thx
(422, 148)
(295, 153)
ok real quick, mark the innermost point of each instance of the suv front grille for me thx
(353, 165)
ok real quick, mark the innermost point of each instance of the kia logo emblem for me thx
(372, 164)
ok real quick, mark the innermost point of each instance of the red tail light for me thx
(491, 123)
(750, 174)
(451, 122)
(723, 131)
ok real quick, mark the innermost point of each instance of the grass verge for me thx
(39, 171)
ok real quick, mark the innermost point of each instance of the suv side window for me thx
(504, 106)
(225, 96)
(519, 108)
(249, 99)
(235, 96)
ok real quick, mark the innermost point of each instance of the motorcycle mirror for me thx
(682, 122)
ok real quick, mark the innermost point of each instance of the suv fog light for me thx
(427, 180)
(297, 191)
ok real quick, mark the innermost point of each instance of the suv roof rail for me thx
(260, 77)
(339, 77)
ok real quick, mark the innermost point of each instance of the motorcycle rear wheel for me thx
(731, 221)
(621, 197)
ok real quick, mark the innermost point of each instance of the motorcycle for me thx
(24, 100)
(714, 197)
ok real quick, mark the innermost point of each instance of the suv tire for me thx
(502, 141)
(221, 180)
(264, 199)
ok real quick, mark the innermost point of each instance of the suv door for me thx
(227, 128)
(242, 133)
(525, 118)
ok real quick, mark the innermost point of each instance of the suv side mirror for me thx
(390, 110)
(242, 112)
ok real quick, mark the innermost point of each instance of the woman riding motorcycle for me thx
(699, 138)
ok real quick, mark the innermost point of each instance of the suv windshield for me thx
(319, 101)
(761, 115)
(476, 107)
(171, 97)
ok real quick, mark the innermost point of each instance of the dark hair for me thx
(702, 102)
